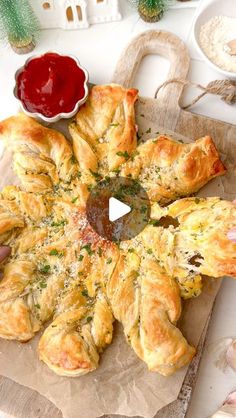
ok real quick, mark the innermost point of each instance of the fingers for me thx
(4, 252)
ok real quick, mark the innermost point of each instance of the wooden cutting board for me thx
(21, 402)
(165, 110)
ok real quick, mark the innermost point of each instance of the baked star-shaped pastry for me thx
(61, 271)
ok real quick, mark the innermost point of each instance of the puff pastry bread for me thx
(168, 169)
(61, 270)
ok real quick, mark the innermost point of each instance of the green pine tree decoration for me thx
(151, 10)
(18, 25)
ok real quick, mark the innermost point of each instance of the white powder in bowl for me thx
(213, 39)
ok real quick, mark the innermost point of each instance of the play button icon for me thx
(118, 208)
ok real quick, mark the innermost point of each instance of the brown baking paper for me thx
(122, 384)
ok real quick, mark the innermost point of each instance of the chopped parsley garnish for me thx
(143, 209)
(131, 250)
(130, 190)
(45, 269)
(116, 170)
(115, 124)
(54, 252)
(123, 154)
(154, 222)
(81, 257)
(79, 174)
(73, 159)
(148, 131)
(99, 252)
(94, 174)
(87, 248)
(43, 285)
(89, 318)
(119, 195)
(134, 154)
(37, 306)
(84, 293)
(197, 200)
(149, 251)
(75, 199)
(63, 222)
(109, 260)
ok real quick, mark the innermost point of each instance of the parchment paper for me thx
(122, 384)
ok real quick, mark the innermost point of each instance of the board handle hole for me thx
(152, 72)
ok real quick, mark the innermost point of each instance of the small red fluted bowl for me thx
(60, 115)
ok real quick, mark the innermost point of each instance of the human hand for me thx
(4, 252)
(232, 233)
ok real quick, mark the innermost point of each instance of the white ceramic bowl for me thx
(59, 116)
(216, 8)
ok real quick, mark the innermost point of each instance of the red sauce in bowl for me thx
(51, 84)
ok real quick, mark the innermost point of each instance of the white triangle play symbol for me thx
(117, 209)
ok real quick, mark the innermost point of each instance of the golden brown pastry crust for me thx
(64, 349)
(197, 244)
(104, 132)
(147, 303)
(205, 224)
(43, 158)
(41, 155)
(60, 270)
(16, 319)
(168, 169)
(57, 272)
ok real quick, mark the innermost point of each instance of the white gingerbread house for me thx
(75, 14)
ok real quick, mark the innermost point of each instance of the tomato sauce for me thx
(51, 84)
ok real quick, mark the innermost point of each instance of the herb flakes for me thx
(84, 293)
(89, 319)
(45, 269)
(87, 248)
(74, 199)
(124, 154)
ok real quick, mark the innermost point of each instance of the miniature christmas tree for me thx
(151, 10)
(18, 25)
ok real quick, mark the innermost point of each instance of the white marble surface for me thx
(98, 49)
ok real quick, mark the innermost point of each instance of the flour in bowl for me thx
(214, 36)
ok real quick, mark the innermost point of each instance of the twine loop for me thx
(226, 89)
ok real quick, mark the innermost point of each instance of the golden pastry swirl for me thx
(61, 270)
